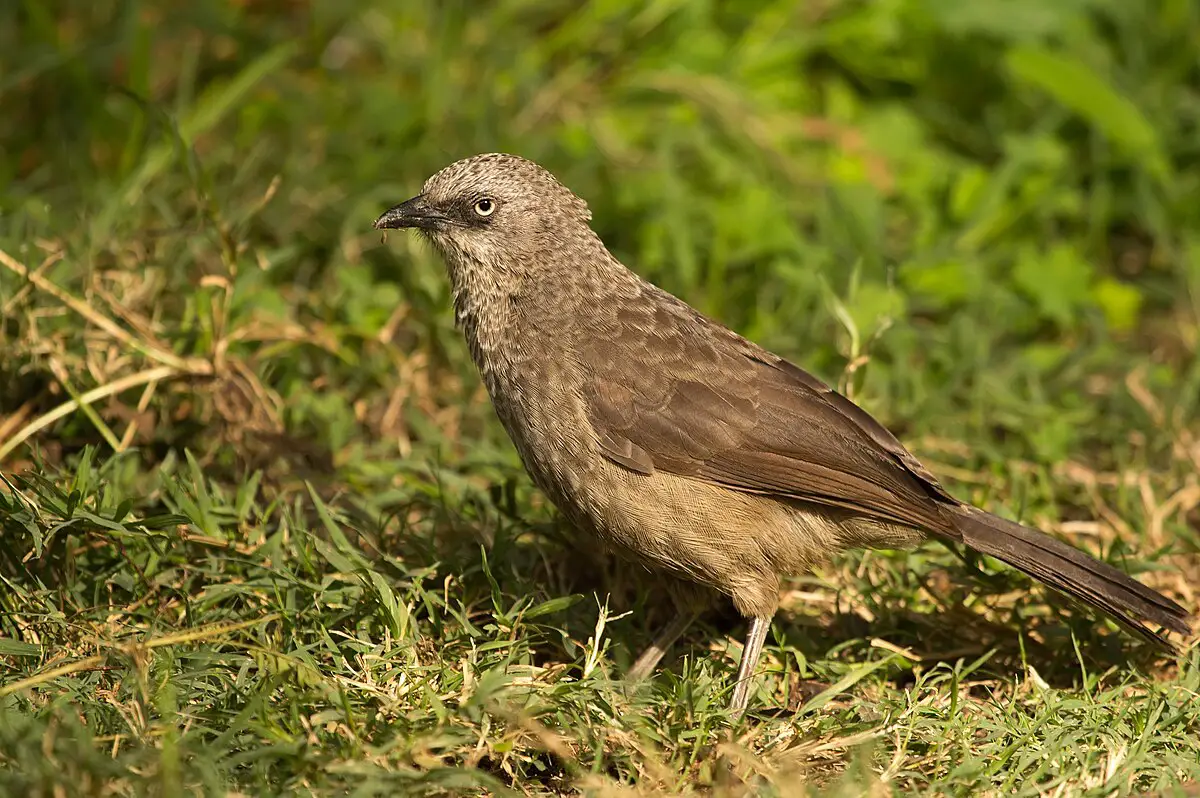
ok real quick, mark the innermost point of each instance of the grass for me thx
(262, 535)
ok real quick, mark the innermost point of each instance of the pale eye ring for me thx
(485, 207)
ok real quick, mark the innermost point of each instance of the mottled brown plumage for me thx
(682, 445)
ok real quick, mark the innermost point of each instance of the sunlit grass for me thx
(261, 534)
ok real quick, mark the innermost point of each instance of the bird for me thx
(683, 446)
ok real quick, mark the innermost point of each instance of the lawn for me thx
(262, 534)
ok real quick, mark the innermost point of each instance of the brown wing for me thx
(672, 391)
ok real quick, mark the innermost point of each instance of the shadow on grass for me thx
(1037, 629)
(1025, 626)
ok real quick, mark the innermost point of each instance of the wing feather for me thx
(671, 391)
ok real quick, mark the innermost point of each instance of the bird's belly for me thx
(736, 543)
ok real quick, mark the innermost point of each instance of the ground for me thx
(261, 533)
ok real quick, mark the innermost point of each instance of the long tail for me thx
(1070, 571)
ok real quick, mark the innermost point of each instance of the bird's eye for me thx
(485, 207)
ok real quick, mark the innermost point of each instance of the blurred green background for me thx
(978, 217)
(1008, 187)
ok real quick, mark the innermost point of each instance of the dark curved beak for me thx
(415, 212)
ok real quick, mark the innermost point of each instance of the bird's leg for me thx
(667, 636)
(755, 637)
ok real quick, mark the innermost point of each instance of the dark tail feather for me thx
(1070, 571)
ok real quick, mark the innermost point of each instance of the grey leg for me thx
(755, 637)
(651, 656)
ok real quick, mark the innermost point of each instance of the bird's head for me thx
(497, 213)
